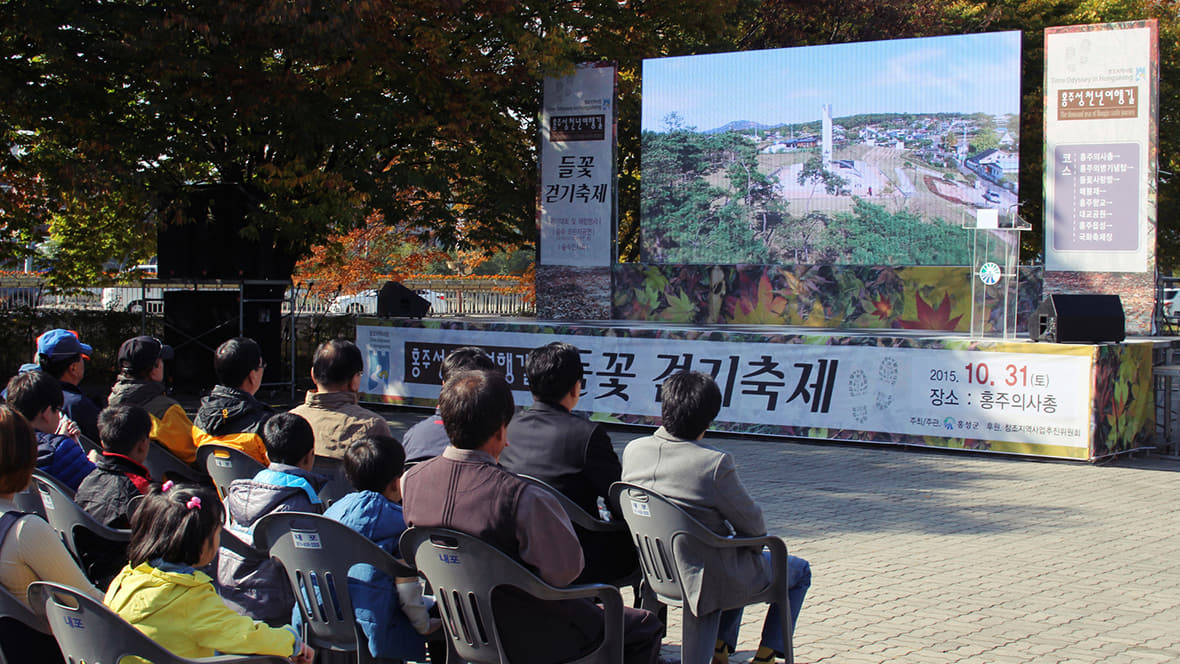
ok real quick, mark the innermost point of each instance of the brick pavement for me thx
(929, 557)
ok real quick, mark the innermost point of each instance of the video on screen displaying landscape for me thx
(872, 153)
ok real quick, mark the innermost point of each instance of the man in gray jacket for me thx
(703, 481)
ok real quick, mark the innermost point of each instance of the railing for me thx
(447, 297)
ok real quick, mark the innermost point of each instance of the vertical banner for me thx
(576, 200)
(1101, 101)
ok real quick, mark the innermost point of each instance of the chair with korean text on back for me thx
(669, 540)
(464, 571)
(226, 464)
(99, 549)
(317, 554)
(89, 632)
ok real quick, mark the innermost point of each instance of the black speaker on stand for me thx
(1080, 318)
(195, 324)
(397, 301)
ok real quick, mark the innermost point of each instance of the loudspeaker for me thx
(195, 324)
(1088, 318)
(262, 321)
(395, 300)
(204, 241)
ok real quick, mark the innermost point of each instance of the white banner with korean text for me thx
(1100, 162)
(1036, 398)
(577, 168)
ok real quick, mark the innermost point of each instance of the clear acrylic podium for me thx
(995, 272)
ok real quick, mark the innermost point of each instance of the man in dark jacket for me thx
(38, 397)
(256, 586)
(120, 475)
(570, 453)
(230, 415)
(141, 383)
(428, 438)
(466, 490)
(62, 355)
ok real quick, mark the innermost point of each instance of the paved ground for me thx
(929, 557)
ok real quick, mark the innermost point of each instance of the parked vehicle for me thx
(365, 302)
(132, 298)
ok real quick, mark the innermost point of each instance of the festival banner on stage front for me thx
(1029, 402)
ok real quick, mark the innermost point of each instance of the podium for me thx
(995, 271)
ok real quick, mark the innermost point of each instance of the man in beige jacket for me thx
(332, 408)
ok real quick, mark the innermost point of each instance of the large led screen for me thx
(872, 153)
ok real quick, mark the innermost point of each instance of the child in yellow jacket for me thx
(176, 529)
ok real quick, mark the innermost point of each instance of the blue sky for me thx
(959, 73)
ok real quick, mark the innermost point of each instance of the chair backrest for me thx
(463, 570)
(580, 517)
(67, 518)
(163, 465)
(334, 490)
(29, 500)
(88, 631)
(226, 464)
(317, 553)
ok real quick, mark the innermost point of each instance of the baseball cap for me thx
(62, 343)
(139, 354)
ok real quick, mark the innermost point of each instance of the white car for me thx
(131, 298)
(365, 302)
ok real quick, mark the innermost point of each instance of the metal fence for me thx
(447, 298)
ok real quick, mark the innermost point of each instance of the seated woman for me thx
(31, 550)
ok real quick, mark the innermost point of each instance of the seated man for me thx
(230, 415)
(392, 612)
(120, 475)
(61, 355)
(570, 453)
(256, 586)
(141, 383)
(703, 480)
(332, 408)
(428, 438)
(38, 396)
(464, 489)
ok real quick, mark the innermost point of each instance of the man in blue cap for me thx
(62, 355)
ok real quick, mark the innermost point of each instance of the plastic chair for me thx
(464, 570)
(226, 464)
(88, 631)
(70, 521)
(334, 490)
(317, 553)
(587, 522)
(163, 465)
(29, 500)
(663, 534)
(27, 622)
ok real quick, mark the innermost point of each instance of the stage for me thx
(907, 387)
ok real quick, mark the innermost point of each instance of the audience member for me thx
(570, 453)
(428, 438)
(393, 613)
(62, 355)
(29, 549)
(141, 383)
(230, 415)
(704, 481)
(332, 407)
(37, 396)
(120, 475)
(176, 530)
(256, 585)
(464, 489)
